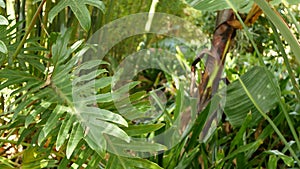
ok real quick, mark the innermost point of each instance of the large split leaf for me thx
(60, 105)
(122, 148)
(238, 104)
(79, 9)
(51, 123)
(75, 136)
(135, 130)
(76, 89)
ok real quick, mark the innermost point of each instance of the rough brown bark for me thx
(222, 37)
(226, 26)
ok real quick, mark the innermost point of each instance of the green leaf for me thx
(135, 130)
(51, 123)
(82, 157)
(289, 2)
(3, 20)
(79, 9)
(96, 125)
(238, 104)
(96, 3)
(60, 51)
(118, 162)
(76, 45)
(3, 48)
(63, 163)
(98, 84)
(244, 148)
(272, 163)
(187, 159)
(102, 115)
(31, 117)
(96, 141)
(35, 158)
(198, 126)
(293, 2)
(282, 26)
(289, 161)
(238, 139)
(102, 98)
(174, 153)
(123, 148)
(89, 76)
(75, 136)
(214, 115)
(216, 5)
(64, 130)
(93, 162)
(88, 65)
(242, 6)
(179, 100)
(6, 163)
(19, 76)
(2, 4)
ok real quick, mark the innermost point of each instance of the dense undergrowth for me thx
(127, 109)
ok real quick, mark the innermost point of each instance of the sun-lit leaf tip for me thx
(3, 20)
(3, 48)
(2, 4)
(75, 136)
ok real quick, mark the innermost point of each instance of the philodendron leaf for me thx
(64, 130)
(135, 130)
(238, 104)
(51, 123)
(121, 147)
(75, 136)
(79, 9)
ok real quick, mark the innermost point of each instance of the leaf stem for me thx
(14, 142)
(281, 25)
(295, 21)
(261, 61)
(286, 61)
(283, 108)
(32, 23)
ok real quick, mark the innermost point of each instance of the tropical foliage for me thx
(59, 109)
